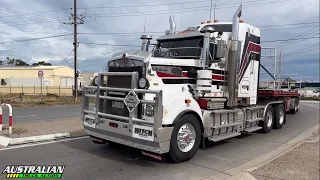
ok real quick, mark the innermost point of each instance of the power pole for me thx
(75, 24)
(75, 45)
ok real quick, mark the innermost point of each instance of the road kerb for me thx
(268, 157)
(242, 176)
(78, 133)
(5, 141)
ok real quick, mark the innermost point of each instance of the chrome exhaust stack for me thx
(207, 30)
(145, 42)
(233, 59)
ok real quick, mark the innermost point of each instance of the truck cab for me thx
(196, 85)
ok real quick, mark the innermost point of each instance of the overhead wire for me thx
(306, 33)
(159, 12)
(105, 44)
(33, 39)
(301, 50)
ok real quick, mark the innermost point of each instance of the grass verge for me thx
(20, 100)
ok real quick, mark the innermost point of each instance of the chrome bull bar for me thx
(102, 95)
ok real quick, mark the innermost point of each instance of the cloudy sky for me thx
(121, 22)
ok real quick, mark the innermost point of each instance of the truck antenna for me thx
(145, 22)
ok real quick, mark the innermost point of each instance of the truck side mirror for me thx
(221, 49)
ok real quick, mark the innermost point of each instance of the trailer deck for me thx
(277, 93)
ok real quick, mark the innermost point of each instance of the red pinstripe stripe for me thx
(251, 48)
(185, 75)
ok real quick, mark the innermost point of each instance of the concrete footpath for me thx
(301, 162)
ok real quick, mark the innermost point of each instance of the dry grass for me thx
(42, 127)
(20, 100)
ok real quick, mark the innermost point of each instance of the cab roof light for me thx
(208, 21)
(202, 22)
(216, 20)
(241, 21)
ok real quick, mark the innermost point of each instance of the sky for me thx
(111, 23)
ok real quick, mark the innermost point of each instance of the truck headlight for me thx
(143, 83)
(149, 110)
(96, 81)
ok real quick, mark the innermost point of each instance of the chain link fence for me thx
(37, 90)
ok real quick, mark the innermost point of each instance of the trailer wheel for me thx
(279, 116)
(185, 138)
(268, 120)
(295, 108)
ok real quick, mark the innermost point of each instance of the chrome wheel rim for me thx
(269, 118)
(281, 116)
(186, 137)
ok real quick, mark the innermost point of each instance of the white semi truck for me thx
(195, 86)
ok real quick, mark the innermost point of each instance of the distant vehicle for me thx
(195, 86)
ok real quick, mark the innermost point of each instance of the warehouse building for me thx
(28, 76)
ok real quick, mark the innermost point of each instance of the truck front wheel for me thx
(185, 138)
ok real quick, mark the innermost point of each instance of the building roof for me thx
(31, 67)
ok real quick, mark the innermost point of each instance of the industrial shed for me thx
(28, 76)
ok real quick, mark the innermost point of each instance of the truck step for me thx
(253, 120)
(223, 137)
(216, 103)
(253, 129)
(226, 125)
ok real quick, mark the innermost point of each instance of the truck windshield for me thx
(179, 48)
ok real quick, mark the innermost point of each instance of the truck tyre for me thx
(185, 138)
(279, 116)
(268, 120)
(295, 108)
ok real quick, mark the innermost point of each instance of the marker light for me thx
(216, 20)
(202, 22)
(241, 21)
(143, 83)
(208, 21)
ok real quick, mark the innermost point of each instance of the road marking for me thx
(26, 116)
(43, 143)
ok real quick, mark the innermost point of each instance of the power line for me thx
(301, 50)
(43, 12)
(310, 31)
(19, 24)
(282, 28)
(290, 39)
(22, 13)
(103, 44)
(147, 5)
(119, 33)
(33, 39)
(310, 50)
(65, 58)
(194, 9)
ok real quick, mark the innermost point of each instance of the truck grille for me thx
(118, 107)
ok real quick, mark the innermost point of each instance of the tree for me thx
(41, 63)
(14, 62)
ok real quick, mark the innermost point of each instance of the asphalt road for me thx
(43, 113)
(85, 160)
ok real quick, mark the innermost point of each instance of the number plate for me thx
(89, 121)
(143, 132)
(117, 104)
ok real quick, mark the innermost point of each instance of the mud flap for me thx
(158, 157)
